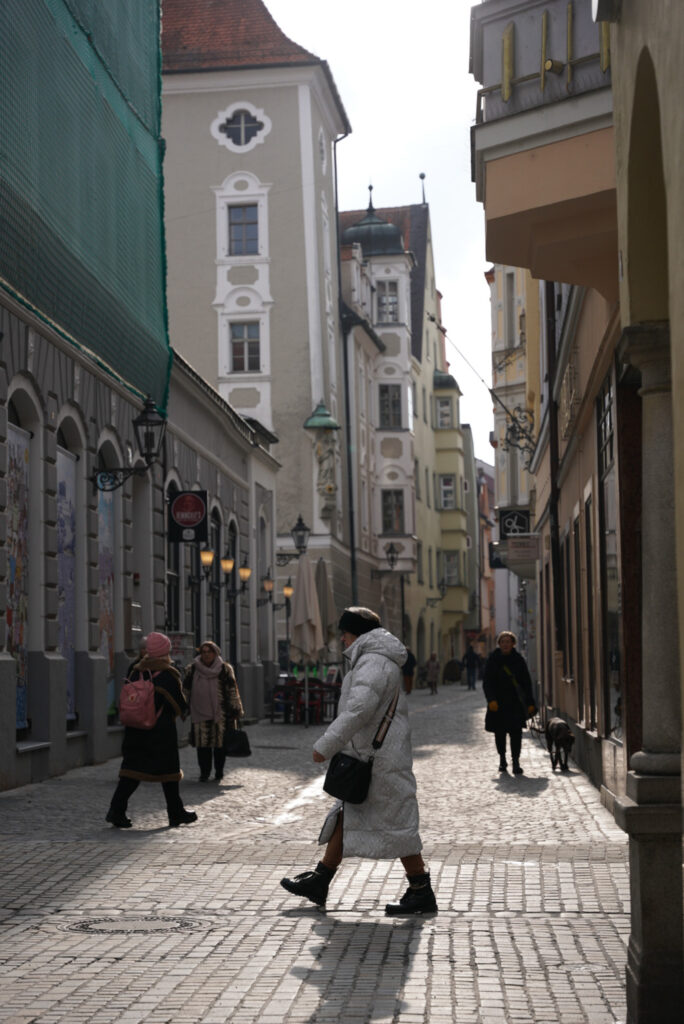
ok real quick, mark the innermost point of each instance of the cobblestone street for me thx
(190, 925)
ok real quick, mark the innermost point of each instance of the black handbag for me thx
(348, 778)
(490, 721)
(236, 743)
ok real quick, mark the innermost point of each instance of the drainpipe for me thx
(347, 398)
(553, 464)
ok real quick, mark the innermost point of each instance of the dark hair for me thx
(358, 621)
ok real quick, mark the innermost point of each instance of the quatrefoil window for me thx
(240, 127)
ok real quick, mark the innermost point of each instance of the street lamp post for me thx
(149, 428)
(392, 555)
(288, 591)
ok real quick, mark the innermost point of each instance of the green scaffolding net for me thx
(81, 208)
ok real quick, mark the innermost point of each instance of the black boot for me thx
(118, 819)
(312, 885)
(503, 767)
(418, 898)
(517, 770)
(182, 817)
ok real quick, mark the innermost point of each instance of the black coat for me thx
(513, 700)
(151, 755)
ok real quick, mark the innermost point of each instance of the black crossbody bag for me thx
(348, 778)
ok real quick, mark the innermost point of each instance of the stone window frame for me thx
(228, 114)
(393, 511)
(386, 301)
(246, 340)
(241, 189)
(390, 413)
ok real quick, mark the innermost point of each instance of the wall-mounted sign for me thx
(513, 522)
(188, 517)
(519, 554)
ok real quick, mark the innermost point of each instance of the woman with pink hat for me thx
(151, 755)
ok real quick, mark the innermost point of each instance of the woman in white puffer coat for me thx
(385, 825)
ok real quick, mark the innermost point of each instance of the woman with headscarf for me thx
(151, 755)
(215, 707)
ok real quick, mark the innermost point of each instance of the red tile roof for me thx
(209, 35)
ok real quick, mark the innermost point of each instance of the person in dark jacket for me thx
(151, 755)
(508, 689)
(215, 707)
(408, 670)
(471, 660)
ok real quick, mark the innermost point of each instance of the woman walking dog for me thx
(508, 689)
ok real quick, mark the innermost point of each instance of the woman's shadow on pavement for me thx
(364, 963)
(522, 785)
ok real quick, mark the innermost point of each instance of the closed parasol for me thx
(326, 604)
(307, 634)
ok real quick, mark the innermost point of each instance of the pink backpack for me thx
(136, 702)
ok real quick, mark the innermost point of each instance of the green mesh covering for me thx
(81, 210)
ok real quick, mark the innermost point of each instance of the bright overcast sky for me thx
(401, 69)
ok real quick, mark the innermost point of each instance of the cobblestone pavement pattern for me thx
(190, 924)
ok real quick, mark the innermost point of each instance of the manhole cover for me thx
(131, 925)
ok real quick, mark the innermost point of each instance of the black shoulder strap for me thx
(383, 728)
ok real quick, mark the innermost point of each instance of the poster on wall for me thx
(66, 572)
(18, 470)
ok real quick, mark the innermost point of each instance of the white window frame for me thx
(445, 405)
(391, 404)
(227, 114)
(395, 491)
(385, 299)
(241, 189)
(243, 323)
(452, 568)
(447, 494)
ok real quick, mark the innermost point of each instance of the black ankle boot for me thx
(517, 770)
(118, 819)
(182, 818)
(418, 898)
(312, 885)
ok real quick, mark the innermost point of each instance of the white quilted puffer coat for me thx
(385, 825)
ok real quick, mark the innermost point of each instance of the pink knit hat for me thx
(158, 645)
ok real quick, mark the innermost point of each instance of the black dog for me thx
(559, 740)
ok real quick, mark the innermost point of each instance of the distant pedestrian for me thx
(151, 755)
(508, 689)
(432, 673)
(472, 662)
(408, 670)
(385, 825)
(215, 707)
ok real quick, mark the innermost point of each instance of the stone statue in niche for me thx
(327, 483)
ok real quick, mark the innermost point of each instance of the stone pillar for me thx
(651, 811)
